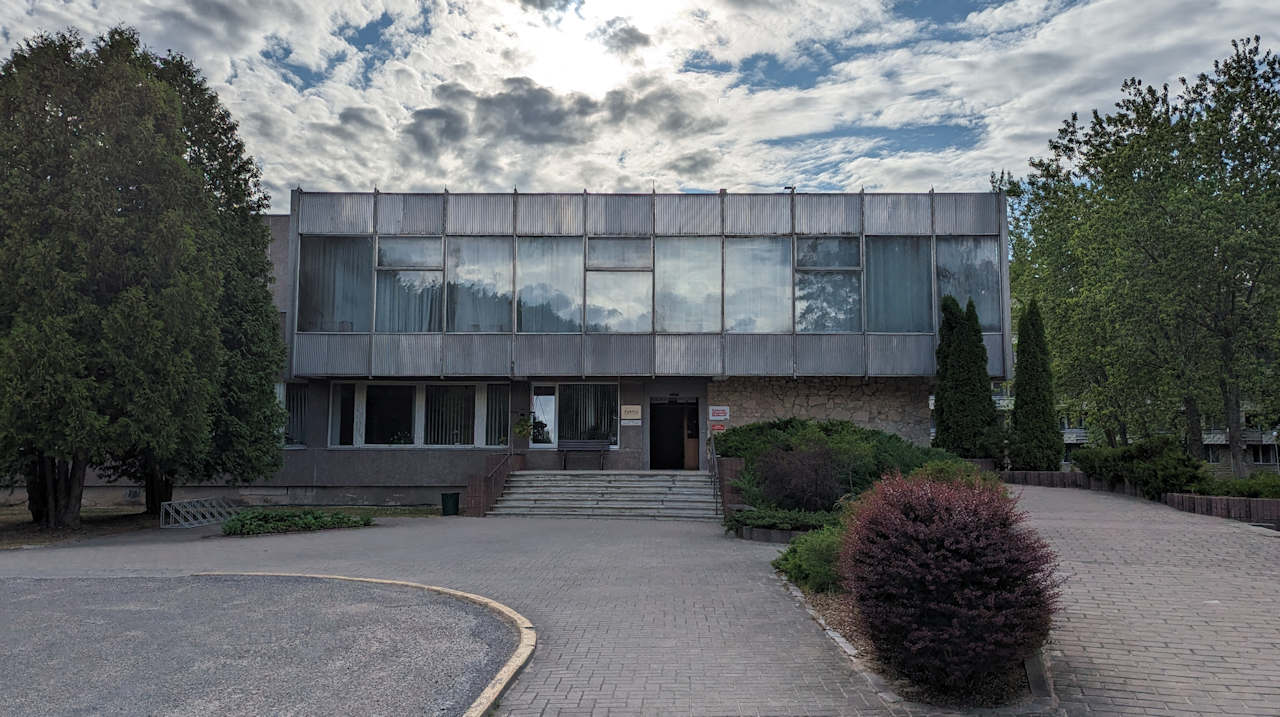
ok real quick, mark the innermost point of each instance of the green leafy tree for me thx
(969, 425)
(1035, 442)
(1150, 242)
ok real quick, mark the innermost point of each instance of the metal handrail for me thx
(714, 465)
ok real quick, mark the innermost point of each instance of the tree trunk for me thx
(1124, 433)
(49, 466)
(1231, 404)
(1111, 436)
(159, 490)
(1194, 439)
(36, 491)
(71, 491)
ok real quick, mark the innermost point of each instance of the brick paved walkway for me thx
(1166, 613)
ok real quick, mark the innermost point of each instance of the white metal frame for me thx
(554, 427)
(479, 416)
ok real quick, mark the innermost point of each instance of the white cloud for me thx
(501, 93)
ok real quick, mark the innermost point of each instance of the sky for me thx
(672, 95)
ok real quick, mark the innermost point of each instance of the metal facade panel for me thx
(618, 355)
(331, 354)
(336, 214)
(619, 214)
(477, 354)
(830, 355)
(973, 213)
(480, 214)
(828, 213)
(410, 213)
(995, 354)
(687, 214)
(406, 354)
(538, 214)
(687, 355)
(548, 355)
(898, 214)
(757, 354)
(757, 214)
(900, 354)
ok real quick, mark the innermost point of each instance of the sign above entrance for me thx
(718, 413)
(631, 413)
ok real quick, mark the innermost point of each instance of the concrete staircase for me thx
(654, 495)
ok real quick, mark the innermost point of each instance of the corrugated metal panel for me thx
(687, 214)
(477, 354)
(410, 213)
(480, 214)
(898, 214)
(757, 354)
(619, 214)
(336, 214)
(995, 354)
(828, 213)
(757, 214)
(830, 355)
(549, 214)
(331, 354)
(687, 354)
(976, 213)
(406, 354)
(548, 355)
(900, 355)
(618, 354)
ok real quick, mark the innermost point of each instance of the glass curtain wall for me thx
(549, 276)
(478, 276)
(621, 300)
(899, 285)
(409, 298)
(969, 268)
(687, 285)
(450, 416)
(588, 411)
(334, 277)
(828, 285)
(757, 285)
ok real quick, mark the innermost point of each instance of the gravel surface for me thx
(242, 645)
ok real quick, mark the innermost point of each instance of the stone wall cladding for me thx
(893, 405)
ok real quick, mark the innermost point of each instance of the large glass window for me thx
(295, 402)
(497, 414)
(969, 268)
(619, 301)
(828, 285)
(619, 253)
(549, 275)
(479, 284)
(342, 414)
(388, 415)
(588, 411)
(757, 285)
(410, 301)
(828, 302)
(409, 252)
(450, 416)
(334, 284)
(899, 285)
(544, 416)
(687, 285)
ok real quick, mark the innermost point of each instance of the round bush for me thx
(950, 586)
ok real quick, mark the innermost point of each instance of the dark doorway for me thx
(673, 436)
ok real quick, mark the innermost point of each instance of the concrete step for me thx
(607, 512)
(507, 501)
(554, 489)
(587, 516)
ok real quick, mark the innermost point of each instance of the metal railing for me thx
(713, 465)
(195, 512)
(484, 492)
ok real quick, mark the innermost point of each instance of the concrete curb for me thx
(524, 650)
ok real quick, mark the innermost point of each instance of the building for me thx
(425, 329)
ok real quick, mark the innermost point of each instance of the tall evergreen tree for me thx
(968, 425)
(944, 393)
(1035, 442)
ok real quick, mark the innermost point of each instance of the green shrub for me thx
(776, 519)
(1262, 484)
(258, 521)
(858, 456)
(954, 472)
(810, 560)
(1156, 466)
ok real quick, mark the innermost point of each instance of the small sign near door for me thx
(632, 422)
(718, 413)
(630, 413)
(717, 428)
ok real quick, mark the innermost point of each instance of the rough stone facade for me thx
(894, 405)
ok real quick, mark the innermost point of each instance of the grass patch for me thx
(257, 521)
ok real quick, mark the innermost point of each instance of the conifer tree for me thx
(943, 395)
(969, 424)
(1035, 442)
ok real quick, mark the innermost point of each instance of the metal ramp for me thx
(195, 512)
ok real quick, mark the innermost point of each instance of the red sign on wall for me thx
(717, 427)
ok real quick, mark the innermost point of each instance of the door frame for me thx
(683, 390)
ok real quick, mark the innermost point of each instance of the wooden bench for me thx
(600, 445)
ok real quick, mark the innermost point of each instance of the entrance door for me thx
(673, 435)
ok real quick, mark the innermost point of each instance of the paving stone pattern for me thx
(656, 618)
(1165, 613)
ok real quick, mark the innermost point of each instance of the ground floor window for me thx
(574, 411)
(293, 397)
(1264, 453)
(419, 414)
(1213, 454)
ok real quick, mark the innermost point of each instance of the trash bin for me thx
(449, 503)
